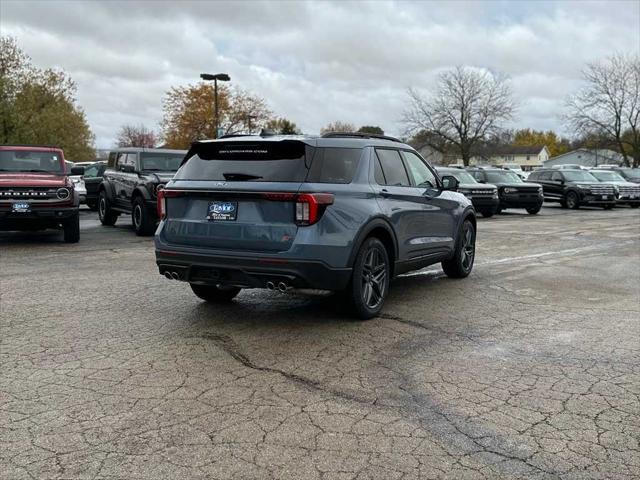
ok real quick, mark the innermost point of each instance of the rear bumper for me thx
(35, 219)
(250, 272)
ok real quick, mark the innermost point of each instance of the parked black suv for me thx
(512, 191)
(131, 182)
(574, 188)
(343, 212)
(483, 196)
(92, 180)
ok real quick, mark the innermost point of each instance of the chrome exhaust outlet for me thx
(271, 285)
(175, 275)
(168, 275)
(283, 287)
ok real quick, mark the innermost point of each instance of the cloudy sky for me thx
(316, 62)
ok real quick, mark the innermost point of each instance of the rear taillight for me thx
(162, 195)
(309, 207)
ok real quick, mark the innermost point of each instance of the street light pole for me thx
(223, 77)
(215, 104)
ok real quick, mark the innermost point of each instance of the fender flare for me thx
(143, 192)
(108, 189)
(363, 233)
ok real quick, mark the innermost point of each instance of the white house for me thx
(586, 158)
(527, 157)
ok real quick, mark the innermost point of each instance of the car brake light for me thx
(163, 194)
(309, 207)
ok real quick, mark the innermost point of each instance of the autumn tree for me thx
(467, 107)
(375, 130)
(136, 136)
(528, 137)
(342, 127)
(282, 126)
(188, 113)
(39, 106)
(608, 105)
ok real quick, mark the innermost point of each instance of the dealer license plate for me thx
(226, 211)
(20, 207)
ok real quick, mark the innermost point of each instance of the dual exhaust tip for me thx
(283, 287)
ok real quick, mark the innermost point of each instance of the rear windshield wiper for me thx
(240, 176)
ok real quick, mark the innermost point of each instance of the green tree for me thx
(39, 106)
(371, 129)
(283, 126)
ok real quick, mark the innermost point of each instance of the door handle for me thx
(385, 193)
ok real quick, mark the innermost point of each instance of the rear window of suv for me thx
(285, 161)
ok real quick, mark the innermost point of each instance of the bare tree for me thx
(609, 104)
(468, 106)
(136, 136)
(342, 127)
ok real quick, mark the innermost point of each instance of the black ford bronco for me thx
(130, 185)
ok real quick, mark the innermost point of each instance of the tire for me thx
(72, 229)
(608, 207)
(370, 279)
(143, 222)
(487, 213)
(572, 201)
(461, 264)
(634, 205)
(534, 210)
(215, 293)
(107, 216)
(499, 210)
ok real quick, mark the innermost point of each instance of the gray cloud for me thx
(316, 62)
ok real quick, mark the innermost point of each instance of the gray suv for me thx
(341, 212)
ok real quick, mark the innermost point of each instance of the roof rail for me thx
(233, 135)
(360, 135)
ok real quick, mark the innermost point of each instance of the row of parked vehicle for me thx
(494, 189)
(343, 212)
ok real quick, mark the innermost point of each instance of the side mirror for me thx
(449, 182)
(128, 168)
(77, 170)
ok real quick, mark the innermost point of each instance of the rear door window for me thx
(393, 168)
(334, 165)
(282, 161)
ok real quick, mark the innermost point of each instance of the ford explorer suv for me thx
(483, 196)
(512, 191)
(341, 212)
(628, 173)
(131, 182)
(35, 192)
(574, 188)
(628, 193)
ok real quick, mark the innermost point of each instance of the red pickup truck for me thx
(35, 192)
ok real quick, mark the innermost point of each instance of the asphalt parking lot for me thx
(528, 368)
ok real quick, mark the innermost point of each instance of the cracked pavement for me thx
(529, 368)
